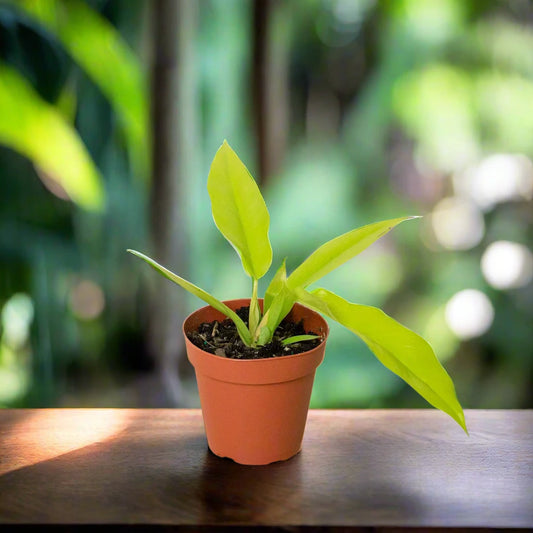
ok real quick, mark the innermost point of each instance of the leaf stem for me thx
(254, 316)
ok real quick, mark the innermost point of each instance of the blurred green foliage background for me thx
(346, 112)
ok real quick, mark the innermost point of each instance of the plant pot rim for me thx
(265, 360)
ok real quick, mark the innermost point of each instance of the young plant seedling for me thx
(241, 215)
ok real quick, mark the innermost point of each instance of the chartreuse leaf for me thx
(200, 293)
(299, 338)
(334, 253)
(38, 131)
(278, 301)
(275, 285)
(105, 56)
(401, 350)
(281, 305)
(239, 211)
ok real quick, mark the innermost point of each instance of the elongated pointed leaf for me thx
(38, 131)
(339, 250)
(275, 286)
(278, 310)
(298, 338)
(278, 301)
(401, 350)
(106, 57)
(200, 293)
(239, 211)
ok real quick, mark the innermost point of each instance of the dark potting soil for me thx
(222, 338)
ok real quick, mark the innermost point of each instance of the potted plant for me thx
(255, 359)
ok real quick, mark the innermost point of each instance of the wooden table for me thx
(379, 469)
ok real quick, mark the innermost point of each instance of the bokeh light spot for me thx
(469, 313)
(457, 223)
(496, 179)
(87, 300)
(17, 316)
(507, 265)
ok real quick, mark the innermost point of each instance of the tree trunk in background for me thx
(270, 71)
(174, 26)
(259, 75)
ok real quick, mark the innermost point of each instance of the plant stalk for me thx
(254, 316)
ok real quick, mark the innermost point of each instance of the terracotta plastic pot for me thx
(255, 410)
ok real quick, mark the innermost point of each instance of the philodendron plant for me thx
(241, 215)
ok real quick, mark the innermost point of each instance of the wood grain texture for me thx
(364, 468)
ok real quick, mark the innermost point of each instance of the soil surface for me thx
(222, 338)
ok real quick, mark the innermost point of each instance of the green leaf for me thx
(278, 301)
(34, 128)
(100, 50)
(265, 335)
(299, 338)
(280, 307)
(200, 293)
(239, 211)
(339, 250)
(401, 350)
(275, 286)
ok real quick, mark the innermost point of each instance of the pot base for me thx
(245, 463)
